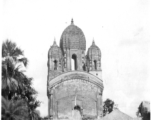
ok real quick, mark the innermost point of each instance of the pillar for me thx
(64, 62)
(50, 105)
(68, 62)
(56, 110)
(99, 104)
(79, 60)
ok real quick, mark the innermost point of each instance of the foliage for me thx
(14, 109)
(10, 49)
(108, 106)
(144, 110)
(12, 78)
(15, 84)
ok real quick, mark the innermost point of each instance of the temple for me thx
(74, 76)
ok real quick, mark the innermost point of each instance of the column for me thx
(101, 106)
(50, 115)
(98, 106)
(51, 106)
(48, 106)
(64, 62)
(68, 62)
(79, 60)
(56, 110)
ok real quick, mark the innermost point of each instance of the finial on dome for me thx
(72, 22)
(93, 43)
(54, 43)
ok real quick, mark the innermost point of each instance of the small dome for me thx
(72, 38)
(94, 51)
(55, 51)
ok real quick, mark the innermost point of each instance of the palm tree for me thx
(12, 76)
(15, 84)
(35, 115)
(32, 105)
(10, 49)
(14, 109)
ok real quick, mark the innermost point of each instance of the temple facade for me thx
(74, 76)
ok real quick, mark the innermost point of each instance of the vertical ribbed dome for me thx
(94, 51)
(55, 51)
(72, 38)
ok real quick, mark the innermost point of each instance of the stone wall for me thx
(75, 92)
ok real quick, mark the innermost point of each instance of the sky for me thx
(120, 28)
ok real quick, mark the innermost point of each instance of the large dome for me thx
(72, 38)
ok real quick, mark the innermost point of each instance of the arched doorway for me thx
(74, 62)
(79, 109)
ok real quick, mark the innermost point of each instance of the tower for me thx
(73, 46)
(94, 60)
(54, 61)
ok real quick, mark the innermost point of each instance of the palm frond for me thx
(15, 109)
(24, 60)
(4, 83)
(11, 75)
(19, 117)
(17, 52)
(14, 84)
(5, 103)
(10, 48)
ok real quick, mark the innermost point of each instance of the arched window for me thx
(74, 62)
(55, 64)
(95, 64)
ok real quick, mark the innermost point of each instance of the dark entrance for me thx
(74, 62)
(78, 108)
